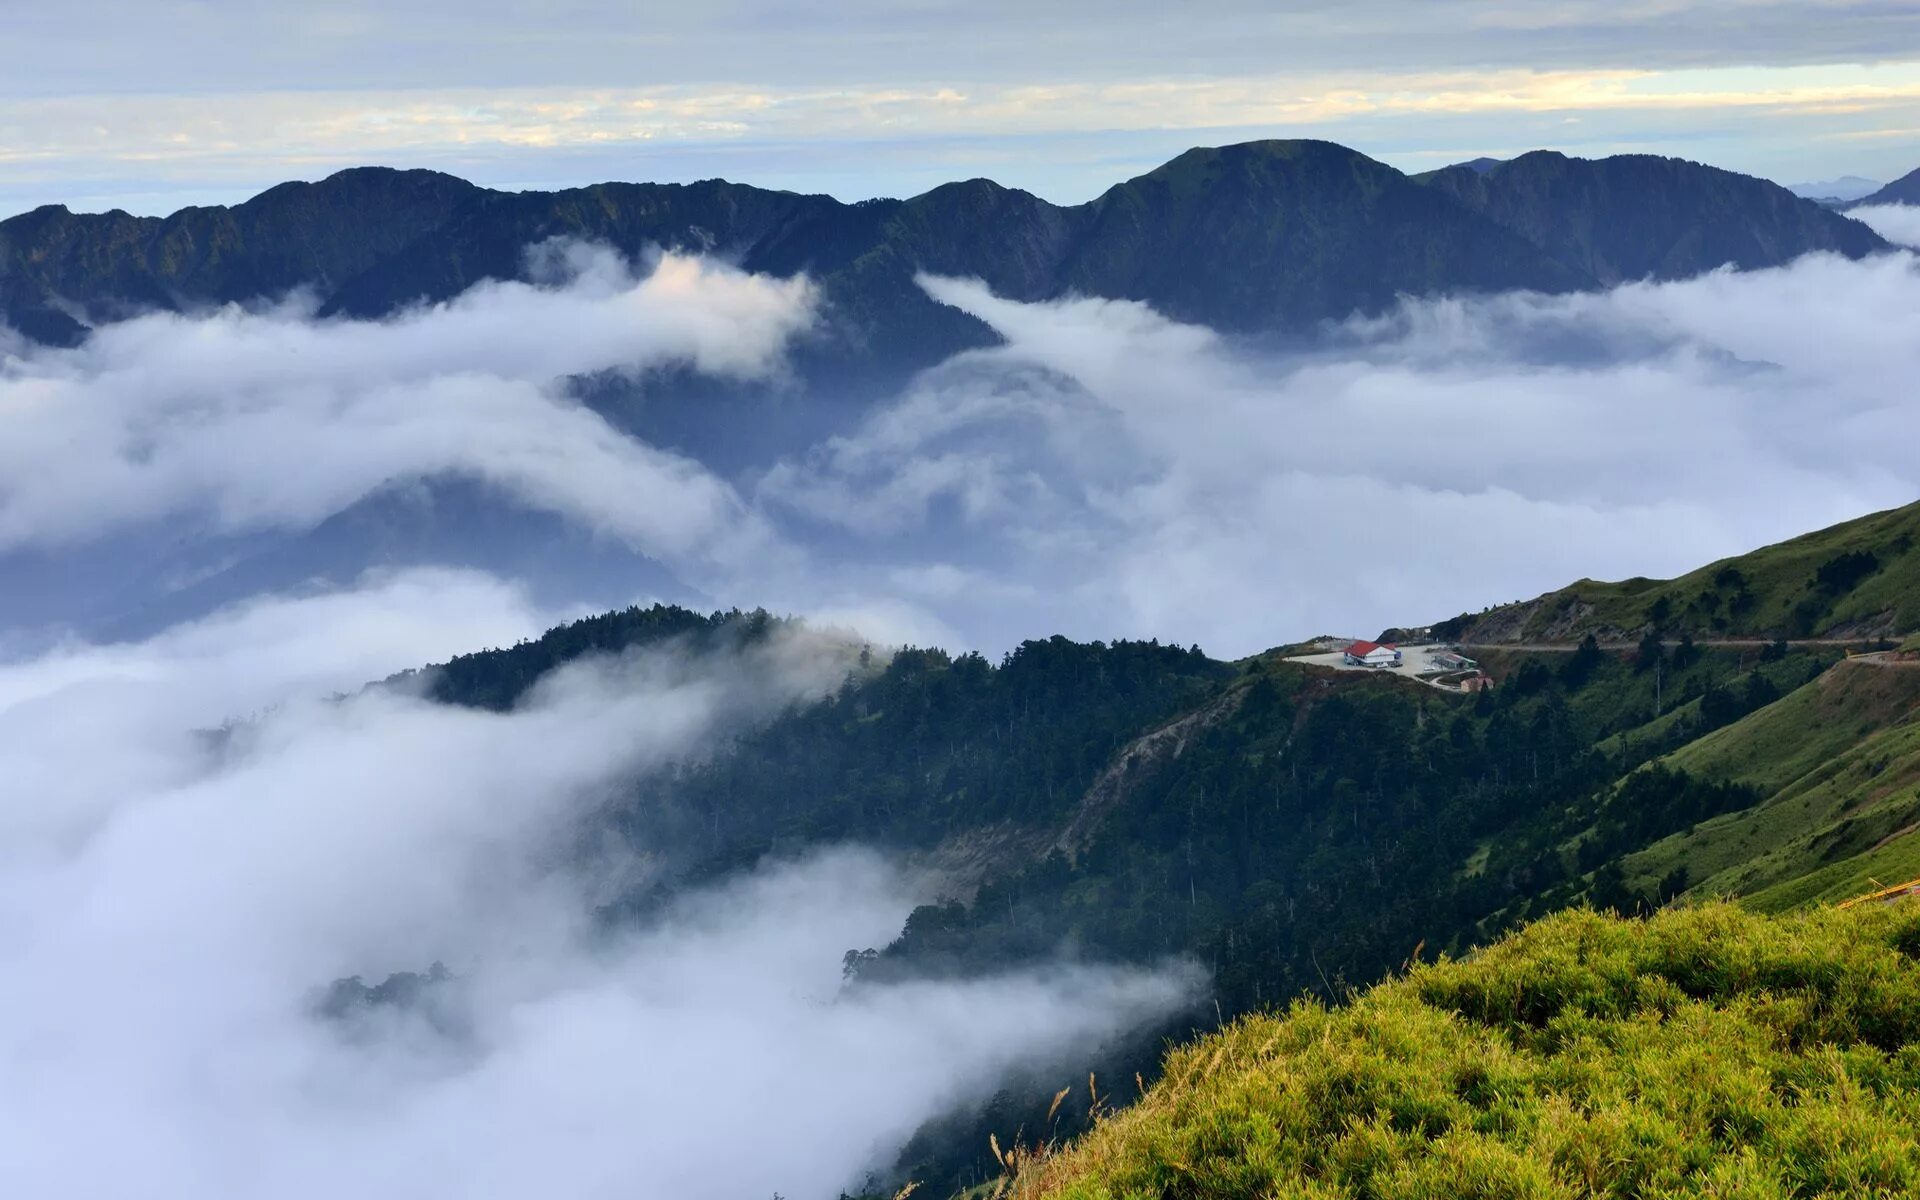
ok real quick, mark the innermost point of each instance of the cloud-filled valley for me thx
(180, 893)
(1104, 472)
(212, 822)
(241, 419)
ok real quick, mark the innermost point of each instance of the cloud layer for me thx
(241, 420)
(1105, 472)
(175, 900)
(1109, 471)
(1898, 223)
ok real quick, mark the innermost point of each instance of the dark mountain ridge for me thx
(1256, 236)
(1637, 216)
(1904, 190)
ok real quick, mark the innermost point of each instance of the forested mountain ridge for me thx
(1293, 828)
(1857, 580)
(1256, 236)
(1638, 216)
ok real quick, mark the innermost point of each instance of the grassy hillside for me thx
(1860, 579)
(1707, 1052)
(1837, 763)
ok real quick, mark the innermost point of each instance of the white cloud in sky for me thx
(173, 904)
(152, 105)
(272, 419)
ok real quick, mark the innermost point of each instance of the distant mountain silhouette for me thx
(1258, 236)
(1843, 190)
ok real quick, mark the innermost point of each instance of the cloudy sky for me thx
(152, 104)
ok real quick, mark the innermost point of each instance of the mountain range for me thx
(1836, 192)
(1253, 237)
(1259, 239)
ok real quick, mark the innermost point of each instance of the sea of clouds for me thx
(205, 826)
(1104, 472)
(177, 892)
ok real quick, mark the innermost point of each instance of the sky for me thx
(149, 105)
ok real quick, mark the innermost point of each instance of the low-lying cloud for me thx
(177, 894)
(1898, 223)
(1105, 472)
(1110, 471)
(247, 419)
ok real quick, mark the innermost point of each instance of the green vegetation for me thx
(1294, 829)
(1297, 830)
(1704, 1053)
(1835, 769)
(1856, 581)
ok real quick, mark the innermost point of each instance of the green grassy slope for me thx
(1707, 1052)
(1858, 579)
(1838, 765)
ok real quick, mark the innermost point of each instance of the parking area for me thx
(1415, 662)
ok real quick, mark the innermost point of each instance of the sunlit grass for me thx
(1706, 1052)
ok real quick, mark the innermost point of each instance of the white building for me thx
(1372, 654)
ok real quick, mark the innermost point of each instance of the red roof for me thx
(1362, 649)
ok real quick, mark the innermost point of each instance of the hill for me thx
(1837, 767)
(1858, 580)
(1904, 190)
(1705, 1052)
(1637, 216)
(1295, 828)
(1256, 236)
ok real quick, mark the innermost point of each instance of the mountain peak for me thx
(372, 182)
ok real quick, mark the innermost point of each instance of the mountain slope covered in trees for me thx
(1291, 827)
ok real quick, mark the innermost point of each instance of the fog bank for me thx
(177, 897)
